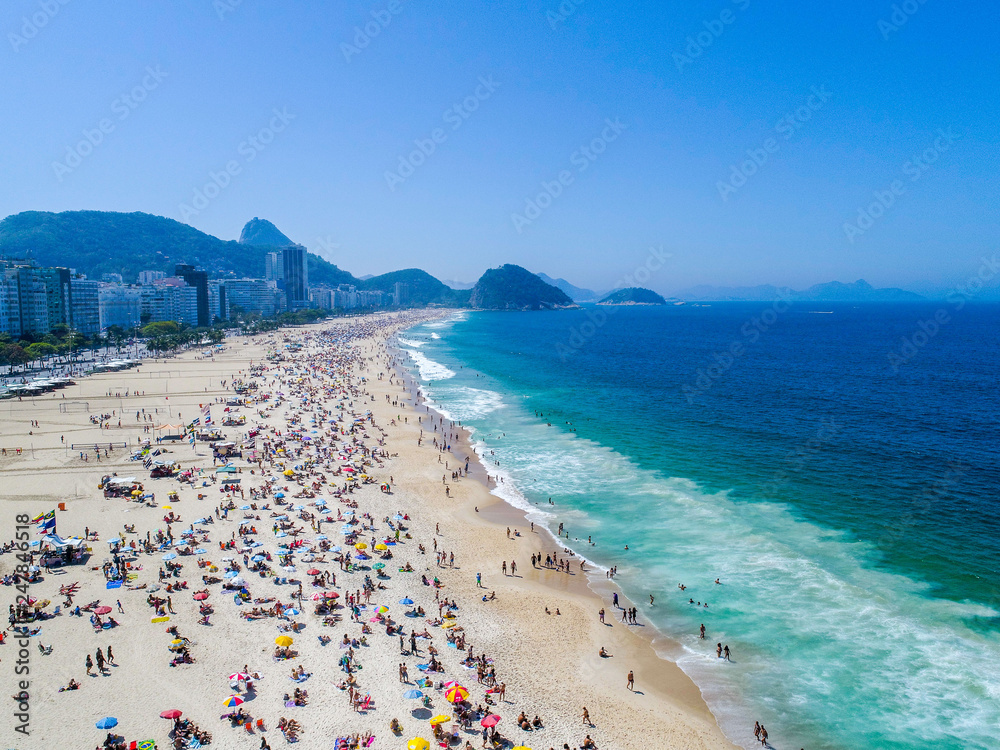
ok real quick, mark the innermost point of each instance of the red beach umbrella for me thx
(102, 610)
(313, 572)
(490, 721)
(173, 713)
(200, 596)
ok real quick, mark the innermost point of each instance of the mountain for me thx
(511, 287)
(577, 294)
(834, 291)
(98, 242)
(459, 284)
(633, 296)
(262, 232)
(859, 291)
(422, 288)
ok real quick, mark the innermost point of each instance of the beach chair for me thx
(133, 745)
(260, 725)
(249, 727)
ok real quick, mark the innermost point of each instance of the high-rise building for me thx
(170, 299)
(10, 304)
(148, 277)
(58, 296)
(274, 268)
(85, 305)
(120, 306)
(400, 293)
(296, 271)
(250, 295)
(218, 306)
(199, 280)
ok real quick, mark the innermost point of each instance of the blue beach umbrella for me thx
(413, 694)
(258, 558)
(107, 722)
(291, 611)
(407, 601)
(230, 574)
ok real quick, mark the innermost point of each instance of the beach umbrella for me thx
(291, 611)
(413, 694)
(456, 694)
(313, 572)
(407, 601)
(450, 684)
(173, 713)
(284, 641)
(258, 558)
(399, 517)
(440, 719)
(169, 556)
(378, 566)
(381, 547)
(417, 743)
(107, 722)
(232, 700)
(200, 596)
(382, 609)
(360, 545)
(236, 581)
(230, 574)
(490, 721)
(239, 677)
(102, 610)
(165, 507)
(288, 473)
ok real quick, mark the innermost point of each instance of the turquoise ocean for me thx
(846, 498)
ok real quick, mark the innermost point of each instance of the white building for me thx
(85, 306)
(119, 306)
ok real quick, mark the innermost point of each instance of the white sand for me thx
(549, 664)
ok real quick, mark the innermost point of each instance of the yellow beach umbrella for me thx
(381, 547)
(417, 743)
(455, 694)
(360, 545)
(289, 473)
(168, 507)
(440, 719)
(284, 641)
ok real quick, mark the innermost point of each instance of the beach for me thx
(344, 405)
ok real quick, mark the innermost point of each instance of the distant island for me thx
(633, 295)
(833, 291)
(511, 287)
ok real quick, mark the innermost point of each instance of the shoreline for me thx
(549, 663)
(586, 588)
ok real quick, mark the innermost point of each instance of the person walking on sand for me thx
(586, 717)
(631, 681)
(504, 567)
(90, 664)
(513, 567)
(100, 661)
(111, 657)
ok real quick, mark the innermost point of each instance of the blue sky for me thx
(701, 158)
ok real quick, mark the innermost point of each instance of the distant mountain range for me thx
(577, 294)
(834, 291)
(99, 242)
